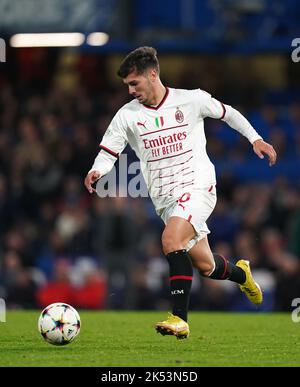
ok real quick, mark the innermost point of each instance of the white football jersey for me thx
(169, 141)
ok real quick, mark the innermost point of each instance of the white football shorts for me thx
(195, 206)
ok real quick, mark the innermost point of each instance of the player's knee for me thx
(170, 243)
(205, 268)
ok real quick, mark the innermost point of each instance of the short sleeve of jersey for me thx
(115, 138)
(209, 106)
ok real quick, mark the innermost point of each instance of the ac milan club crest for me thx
(179, 116)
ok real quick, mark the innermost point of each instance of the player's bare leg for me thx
(202, 257)
(217, 267)
(178, 232)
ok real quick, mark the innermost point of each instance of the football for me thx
(59, 323)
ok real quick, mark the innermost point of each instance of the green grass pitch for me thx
(127, 339)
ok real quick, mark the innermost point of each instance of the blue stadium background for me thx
(57, 243)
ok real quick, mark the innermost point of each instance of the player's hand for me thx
(262, 148)
(90, 179)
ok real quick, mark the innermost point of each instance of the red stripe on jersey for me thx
(109, 151)
(173, 174)
(184, 277)
(189, 218)
(183, 186)
(174, 181)
(161, 102)
(160, 130)
(224, 111)
(166, 184)
(171, 166)
(185, 174)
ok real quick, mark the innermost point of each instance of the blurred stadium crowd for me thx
(59, 243)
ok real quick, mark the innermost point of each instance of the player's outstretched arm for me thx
(90, 179)
(261, 147)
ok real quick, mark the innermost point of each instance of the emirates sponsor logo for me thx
(164, 140)
(179, 116)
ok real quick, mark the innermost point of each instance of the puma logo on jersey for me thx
(142, 124)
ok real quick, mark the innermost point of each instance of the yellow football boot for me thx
(250, 287)
(173, 325)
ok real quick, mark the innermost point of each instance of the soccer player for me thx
(165, 128)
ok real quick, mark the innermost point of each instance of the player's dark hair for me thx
(139, 60)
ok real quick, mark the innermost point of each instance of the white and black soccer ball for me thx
(59, 323)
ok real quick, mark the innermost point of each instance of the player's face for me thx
(141, 86)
